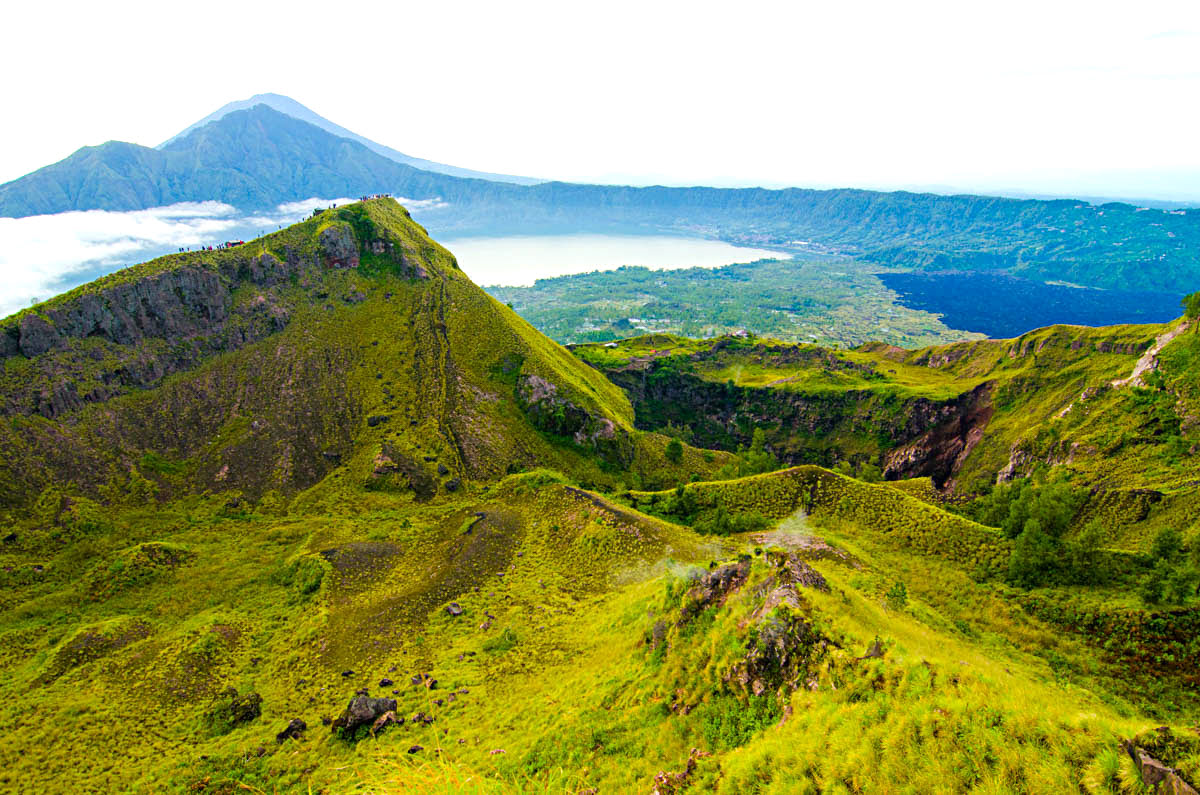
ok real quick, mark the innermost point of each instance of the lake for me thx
(43, 255)
(519, 261)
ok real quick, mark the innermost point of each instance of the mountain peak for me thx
(361, 303)
(290, 107)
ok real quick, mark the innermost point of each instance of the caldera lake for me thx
(520, 260)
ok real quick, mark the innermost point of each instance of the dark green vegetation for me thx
(827, 300)
(241, 487)
(258, 157)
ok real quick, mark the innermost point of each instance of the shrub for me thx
(897, 597)
(725, 722)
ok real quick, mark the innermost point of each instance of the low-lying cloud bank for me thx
(43, 255)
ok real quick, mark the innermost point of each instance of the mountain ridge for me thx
(259, 157)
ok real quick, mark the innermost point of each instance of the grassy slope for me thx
(125, 615)
(961, 698)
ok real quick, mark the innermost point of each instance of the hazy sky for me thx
(1100, 97)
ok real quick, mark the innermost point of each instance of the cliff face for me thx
(911, 437)
(103, 340)
(940, 452)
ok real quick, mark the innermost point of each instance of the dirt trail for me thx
(1149, 359)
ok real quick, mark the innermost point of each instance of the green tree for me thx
(1084, 556)
(1167, 546)
(674, 451)
(1035, 557)
(1191, 308)
(1153, 586)
(758, 459)
(1037, 517)
(870, 473)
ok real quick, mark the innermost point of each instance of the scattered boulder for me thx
(362, 711)
(454, 609)
(443, 470)
(385, 682)
(294, 729)
(376, 419)
(414, 749)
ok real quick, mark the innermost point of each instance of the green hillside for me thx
(316, 514)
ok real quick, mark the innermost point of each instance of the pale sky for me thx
(1094, 97)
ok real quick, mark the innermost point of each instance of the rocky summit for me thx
(314, 513)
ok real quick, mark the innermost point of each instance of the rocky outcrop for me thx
(668, 782)
(552, 412)
(940, 452)
(784, 645)
(339, 248)
(1156, 775)
(98, 344)
(711, 589)
(780, 645)
(178, 303)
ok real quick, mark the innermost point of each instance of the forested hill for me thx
(259, 157)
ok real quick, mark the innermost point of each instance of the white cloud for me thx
(417, 205)
(43, 255)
